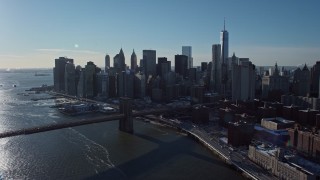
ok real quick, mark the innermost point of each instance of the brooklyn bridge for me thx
(125, 117)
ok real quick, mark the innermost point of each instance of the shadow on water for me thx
(159, 157)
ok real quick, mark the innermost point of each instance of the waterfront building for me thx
(59, 73)
(90, 79)
(134, 64)
(106, 63)
(81, 91)
(181, 65)
(187, 51)
(273, 86)
(273, 159)
(70, 75)
(77, 77)
(149, 62)
(216, 65)
(243, 80)
(119, 62)
(301, 81)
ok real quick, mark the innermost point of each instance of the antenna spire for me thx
(224, 23)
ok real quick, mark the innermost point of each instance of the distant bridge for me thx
(125, 120)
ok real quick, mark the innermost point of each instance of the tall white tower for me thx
(224, 41)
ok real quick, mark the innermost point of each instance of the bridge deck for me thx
(51, 127)
(56, 126)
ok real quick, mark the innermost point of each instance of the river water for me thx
(98, 151)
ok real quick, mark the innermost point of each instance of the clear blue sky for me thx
(34, 32)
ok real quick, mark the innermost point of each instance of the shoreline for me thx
(199, 140)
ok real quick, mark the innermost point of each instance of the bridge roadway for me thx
(100, 119)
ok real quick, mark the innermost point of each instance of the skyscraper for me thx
(139, 85)
(90, 78)
(301, 81)
(134, 64)
(81, 91)
(163, 66)
(149, 62)
(181, 65)
(107, 63)
(119, 62)
(125, 84)
(215, 75)
(315, 74)
(69, 76)
(273, 86)
(224, 41)
(59, 73)
(102, 84)
(204, 66)
(187, 51)
(243, 80)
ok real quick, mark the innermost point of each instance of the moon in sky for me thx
(76, 45)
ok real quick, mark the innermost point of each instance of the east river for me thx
(98, 151)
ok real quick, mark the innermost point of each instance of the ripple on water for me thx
(96, 154)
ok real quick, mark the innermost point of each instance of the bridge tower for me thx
(126, 123)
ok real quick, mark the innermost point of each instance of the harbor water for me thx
(97, 151)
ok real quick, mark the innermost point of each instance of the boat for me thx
(41, 74)
(14, 85)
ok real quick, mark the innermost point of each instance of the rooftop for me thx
(278, 120)
(274, 132)
(307, 165)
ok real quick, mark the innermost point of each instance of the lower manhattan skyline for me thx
(35, 32)
(161, 89)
